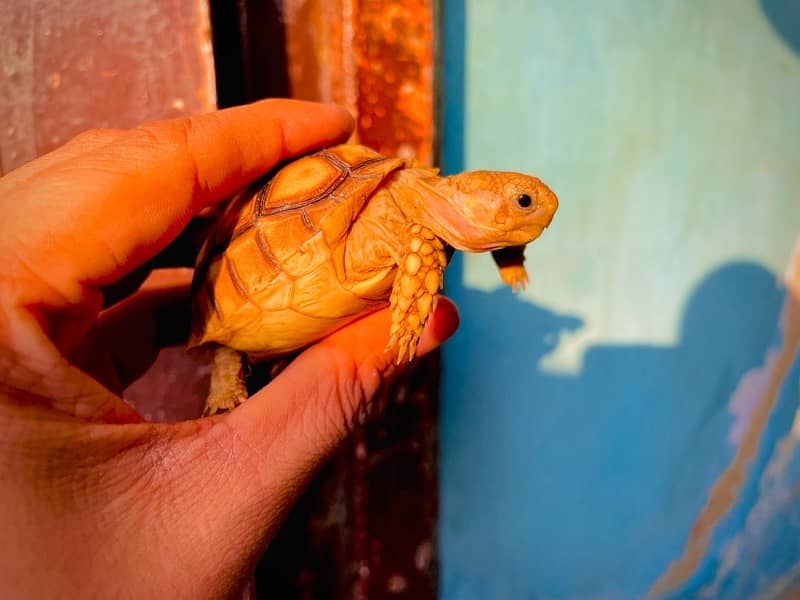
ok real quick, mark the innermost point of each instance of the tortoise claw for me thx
(227, 390)
(415, 291)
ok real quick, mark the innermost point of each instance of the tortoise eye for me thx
(524, 201)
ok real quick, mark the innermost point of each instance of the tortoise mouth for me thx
(495, 238)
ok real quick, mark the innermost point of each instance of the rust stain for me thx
(792, 275)
(394, 43)
(375, 58)
(727, 488)
(319, 50)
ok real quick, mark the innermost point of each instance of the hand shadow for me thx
(585, 485)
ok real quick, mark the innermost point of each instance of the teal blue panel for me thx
(628, 425)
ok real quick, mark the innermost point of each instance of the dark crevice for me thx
(249, 42)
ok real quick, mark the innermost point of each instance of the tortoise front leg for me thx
(509, 262)
(227, 390)
(414, 294)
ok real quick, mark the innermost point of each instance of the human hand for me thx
(92, 499)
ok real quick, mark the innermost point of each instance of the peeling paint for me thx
(725, 492)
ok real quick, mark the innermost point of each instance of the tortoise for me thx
(340, 233)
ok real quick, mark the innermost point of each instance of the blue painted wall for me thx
(625, 426)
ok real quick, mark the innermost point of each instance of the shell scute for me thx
(309, 257)
(291, 228)
(299, 182)
(353, 155)
(252, 261)
(287, 234)
(320, 193)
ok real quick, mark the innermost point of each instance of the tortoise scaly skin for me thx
(343, 232)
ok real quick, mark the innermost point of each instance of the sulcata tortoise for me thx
(340, 233)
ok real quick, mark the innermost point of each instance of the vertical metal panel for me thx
(366, 528)
(374, 57)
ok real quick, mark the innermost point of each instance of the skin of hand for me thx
(93, 500)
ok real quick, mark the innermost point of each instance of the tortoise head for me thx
(487, 210)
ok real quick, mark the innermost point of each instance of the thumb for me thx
(242, 471)
(296, 421)
(324, 393)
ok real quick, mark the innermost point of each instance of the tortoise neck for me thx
(411, 190)
(423, 197)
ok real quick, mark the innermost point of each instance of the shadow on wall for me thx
(784, 16)
(586, 484)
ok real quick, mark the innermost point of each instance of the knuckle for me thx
(96, 136)
(351, 396)
(172, 139)
(171, 134)
(342, 397)
(156, 134)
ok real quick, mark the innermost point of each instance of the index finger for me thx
(97, 214)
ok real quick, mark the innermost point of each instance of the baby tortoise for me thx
(343, 232)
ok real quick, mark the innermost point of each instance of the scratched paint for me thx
(780, 378)
(628, 426)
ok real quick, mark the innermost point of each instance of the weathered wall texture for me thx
(71, 65)
(625, 426)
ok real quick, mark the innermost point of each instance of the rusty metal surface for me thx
(366, 528)
(69, 65)
(320, 51)
(396, 491)
(394, 46)
(375, 57)
(249, 50)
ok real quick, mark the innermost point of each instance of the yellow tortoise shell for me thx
(271, 251)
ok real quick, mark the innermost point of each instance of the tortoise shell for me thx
(269, 269)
